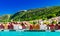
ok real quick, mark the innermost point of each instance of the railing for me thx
(24, 30)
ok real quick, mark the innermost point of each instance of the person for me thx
(31, 27)
(20, 27)
(37, 27)
(23, 26)
(56, 27)
(6, 26)
(43, 27)
(52, 27)
(48, 28)
(1, 27)
(27, 25)
(15, 26)
(34, 28)
(10, 26)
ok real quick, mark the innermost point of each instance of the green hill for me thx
(5, 18)
(38, 13)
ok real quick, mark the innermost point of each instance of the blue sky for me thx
(12, 6)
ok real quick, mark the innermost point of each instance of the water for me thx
(11, 33)
(29, 33)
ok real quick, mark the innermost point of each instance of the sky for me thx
(13, 6)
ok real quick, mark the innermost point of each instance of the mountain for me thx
(35, 14)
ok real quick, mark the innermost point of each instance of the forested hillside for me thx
(33, 14)
(38, 13)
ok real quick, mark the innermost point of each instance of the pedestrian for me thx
(10, 26)
(1, 27)
(52, 27)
